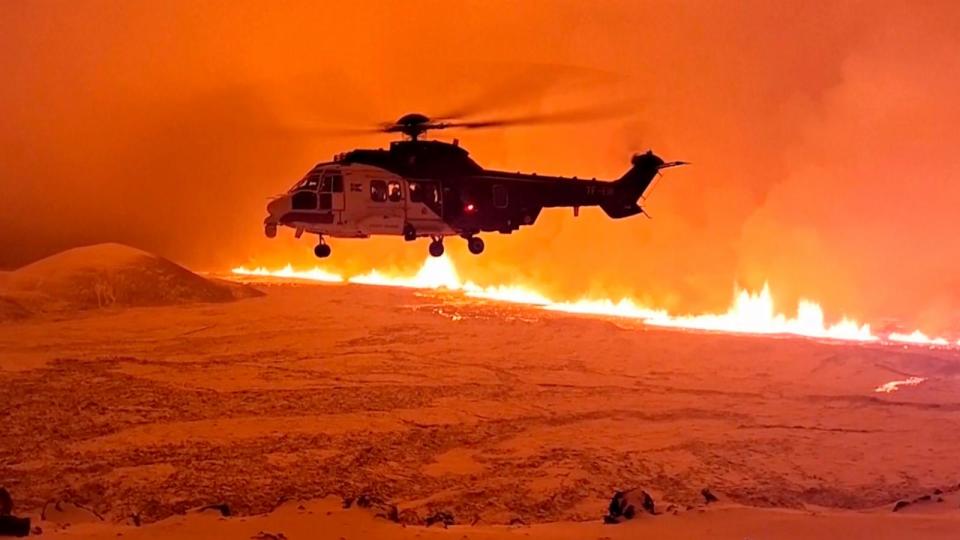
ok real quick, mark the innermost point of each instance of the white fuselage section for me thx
(357, 201)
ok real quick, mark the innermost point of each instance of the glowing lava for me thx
(917, 338)
(751, 313)
(314, 274)
(892, 386)
(436, 273)
(755, 313)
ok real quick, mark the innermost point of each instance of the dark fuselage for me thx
(475, 199)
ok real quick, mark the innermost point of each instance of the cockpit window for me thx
(311, 181)
(304, 200)
(332, 183)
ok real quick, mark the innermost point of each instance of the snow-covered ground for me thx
(492, 412)
(496, 413)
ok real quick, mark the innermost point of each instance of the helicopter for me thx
(427, 188)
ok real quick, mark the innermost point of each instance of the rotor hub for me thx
(412, 125)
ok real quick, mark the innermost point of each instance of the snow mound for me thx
(106, 275)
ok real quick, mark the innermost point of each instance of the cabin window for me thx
(500, 198)
(394, 191)
(337, 182)
(424, 192)
(378, 190)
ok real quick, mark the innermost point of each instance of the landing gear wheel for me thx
(322, 251)
(436, 247)
(475, 245)
(409, 233)
(270, 230)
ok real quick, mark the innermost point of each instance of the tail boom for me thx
(631, 186)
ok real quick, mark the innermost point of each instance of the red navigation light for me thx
(469, 207)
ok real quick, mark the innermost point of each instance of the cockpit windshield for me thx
(312, 179)
(310, 182)
(322, 179)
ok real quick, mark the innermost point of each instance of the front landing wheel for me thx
(322, 251)
(436, 248)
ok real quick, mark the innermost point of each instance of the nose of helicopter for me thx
(276, 208)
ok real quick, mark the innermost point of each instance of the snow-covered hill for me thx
(107, 275)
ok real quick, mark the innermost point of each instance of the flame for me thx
(751, 312)
(314, 274)
(918, 338)
(436, 273)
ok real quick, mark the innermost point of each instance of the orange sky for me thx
(823, 136)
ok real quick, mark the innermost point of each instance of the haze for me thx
(823, 136)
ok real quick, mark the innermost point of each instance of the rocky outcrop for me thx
(628, 504)
(378, 506)
(222, 508)
(11, 525)
(439, 518)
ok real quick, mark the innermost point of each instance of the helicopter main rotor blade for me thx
(591, 114)
(331, 131)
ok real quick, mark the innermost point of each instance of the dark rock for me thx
(378, 506)
(708, 496)
(347, 502)
(938, 491)
(14, 526)
(939, 499)
(922, 498)
(387, 511)
(268, 536)
(626, 504)
(443, 518)
(900, 505)
(409, 517)
(6, 502)
(517, 521)
(223, 508)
